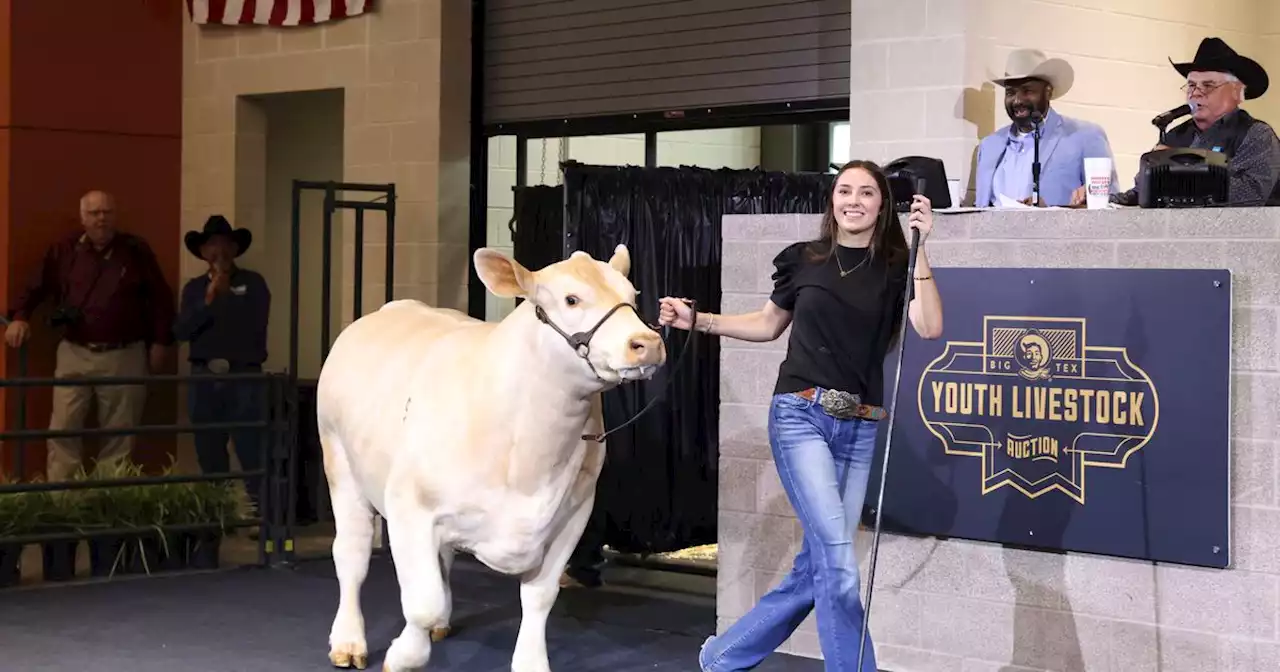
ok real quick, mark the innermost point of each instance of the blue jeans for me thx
(823, 464)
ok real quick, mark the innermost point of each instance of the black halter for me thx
(582, 339)
(581, 344)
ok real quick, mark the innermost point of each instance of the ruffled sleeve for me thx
(784, 286)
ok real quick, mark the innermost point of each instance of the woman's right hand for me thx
(675, 312)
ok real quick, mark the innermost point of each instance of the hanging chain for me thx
(564, 156)
(542, 176)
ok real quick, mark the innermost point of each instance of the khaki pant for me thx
(118, 405)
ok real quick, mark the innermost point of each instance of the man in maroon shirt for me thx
(115, 311)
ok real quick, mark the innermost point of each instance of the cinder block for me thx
(1110, 588)
(1254, 539)
(738, 377)
(738, 267)
(771, 497)
(737, 484)
(1255, 345)
(895, 616)
(735, 589)
(756, 228)
(775, 541)
(887, 19)
(1255, 266)
(1063, 254)
(1222, 223)
(1243, 604)
(890, 657)
(1248, 655)
(869, 66)
(1166, 254)
(930, 62)
(969, 628)
(1072, 224)
(744, 430)
(1255, 470)
(1255, 405)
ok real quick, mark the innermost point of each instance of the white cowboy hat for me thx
(1032, 63)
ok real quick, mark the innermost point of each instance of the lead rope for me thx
(693, 322)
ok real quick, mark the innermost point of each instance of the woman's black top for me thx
(841, 327)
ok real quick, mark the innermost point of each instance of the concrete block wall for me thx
(963, 606)
(403, 73)
(713, 148)
(923, 86)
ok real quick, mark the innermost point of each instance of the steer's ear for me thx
(621, 260)
(504, 276)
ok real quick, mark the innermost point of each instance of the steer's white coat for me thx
(466, 435)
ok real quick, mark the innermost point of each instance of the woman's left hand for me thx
(921, 216)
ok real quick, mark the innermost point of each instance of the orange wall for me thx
(95, 102)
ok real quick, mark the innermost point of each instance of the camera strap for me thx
(100, 263)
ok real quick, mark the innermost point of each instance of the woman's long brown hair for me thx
(887, 240)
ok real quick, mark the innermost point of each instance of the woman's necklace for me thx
(844, 273)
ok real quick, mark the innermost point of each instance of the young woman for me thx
(842, 295)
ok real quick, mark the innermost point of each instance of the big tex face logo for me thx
(1038, 405)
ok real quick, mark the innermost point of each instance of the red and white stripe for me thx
(274, 12)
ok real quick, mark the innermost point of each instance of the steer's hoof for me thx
(438, 634)
(347, 656)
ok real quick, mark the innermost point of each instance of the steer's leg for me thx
(422, 595)
(441, 629)
(352, 545)
(539, 587)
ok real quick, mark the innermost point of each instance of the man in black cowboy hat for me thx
(1218, 80)
(223, 315)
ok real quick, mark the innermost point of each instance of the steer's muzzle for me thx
(646, 348)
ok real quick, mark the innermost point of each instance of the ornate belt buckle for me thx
(218, 366)
(840, 405)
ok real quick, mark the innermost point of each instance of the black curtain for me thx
(658, 490)
(537, 228)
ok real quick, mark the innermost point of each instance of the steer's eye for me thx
(571, 300)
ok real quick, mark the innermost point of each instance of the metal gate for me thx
(305, 471)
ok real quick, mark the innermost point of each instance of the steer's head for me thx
(587, 299)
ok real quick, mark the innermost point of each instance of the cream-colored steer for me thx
(469, 435)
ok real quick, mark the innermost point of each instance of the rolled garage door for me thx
(565, 59)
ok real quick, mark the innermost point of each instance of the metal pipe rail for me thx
(141, 429)
(275, 422)
(73, 381)
(94, 484)
(94, 532)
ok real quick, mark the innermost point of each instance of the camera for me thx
(64, 316)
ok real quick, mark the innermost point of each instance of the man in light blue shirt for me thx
(1005, 157)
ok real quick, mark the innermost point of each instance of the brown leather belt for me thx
(842, 405)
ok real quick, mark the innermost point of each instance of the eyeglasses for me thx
(1206, 87)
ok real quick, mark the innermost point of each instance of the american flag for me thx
(274, 12)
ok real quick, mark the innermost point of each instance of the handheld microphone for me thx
(915, 243)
